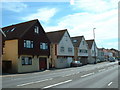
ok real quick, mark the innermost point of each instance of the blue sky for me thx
(78, 16)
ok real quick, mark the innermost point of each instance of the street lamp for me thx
(94, 44)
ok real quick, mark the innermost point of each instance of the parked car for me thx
(98, 61)
(119, 62)
(76, 64)
(111, 59)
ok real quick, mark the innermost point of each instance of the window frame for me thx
(62, 49)
(26, 60)
(28, 44)
(43, 46)
(70, 49)
(36, 29)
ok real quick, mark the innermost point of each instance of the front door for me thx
(42, 63)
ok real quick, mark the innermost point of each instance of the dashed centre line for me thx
(110, 83)
(34, 82)
(87, 74)
(57, 84)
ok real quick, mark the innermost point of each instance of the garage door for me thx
(42, 63)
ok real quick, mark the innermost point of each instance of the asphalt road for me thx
(102, 75)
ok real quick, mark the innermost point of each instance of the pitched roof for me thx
(90, 43)
(18, 30)
(78, 40)
(56, 36)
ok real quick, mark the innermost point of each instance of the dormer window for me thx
(74, 41)
(36, 29)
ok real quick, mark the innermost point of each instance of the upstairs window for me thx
(62, 49)
(36, 29)
(69, 49)
(44, 46)
(28, 44)
(83, 51)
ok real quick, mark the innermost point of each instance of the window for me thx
(83, 51)
(80, 50)
(26, 60)
(36, 29)
(69, 49)
(43, 46)
(74, 41)
(28, 44)
(62, 49)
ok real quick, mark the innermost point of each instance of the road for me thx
(101, 75)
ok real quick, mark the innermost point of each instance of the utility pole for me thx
(94, 44)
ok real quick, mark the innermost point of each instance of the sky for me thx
(79, 17)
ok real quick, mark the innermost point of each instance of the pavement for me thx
(101, 75)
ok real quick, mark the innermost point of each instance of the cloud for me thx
(82, 23)
(14, 6)
(43, 14)
(95, 5)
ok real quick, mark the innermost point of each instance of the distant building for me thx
(115, 52)
(107, 53)
(80, 49)
(61, 49)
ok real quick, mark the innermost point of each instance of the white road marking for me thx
(57, 84)
(67, 75)
(102, 70)
(88, 74)
(110, 83)
(34, 82)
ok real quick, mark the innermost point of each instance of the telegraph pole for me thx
(94, 44)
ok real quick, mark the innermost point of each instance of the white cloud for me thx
(95, 5)
(43, 14)
(105, 22)
(14, 6)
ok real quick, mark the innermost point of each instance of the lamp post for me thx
(94, 44)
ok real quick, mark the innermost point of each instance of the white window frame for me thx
(70, 49)
(36, 29)
(44, 46)
(28, 44)
(26, 60)
(62, 49)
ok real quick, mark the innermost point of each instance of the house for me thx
(1, 33)
(80, 49)
(61, 49)
(101, 54)
(26, 47)
(92, 51)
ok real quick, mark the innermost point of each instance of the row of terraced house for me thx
(27, 47)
